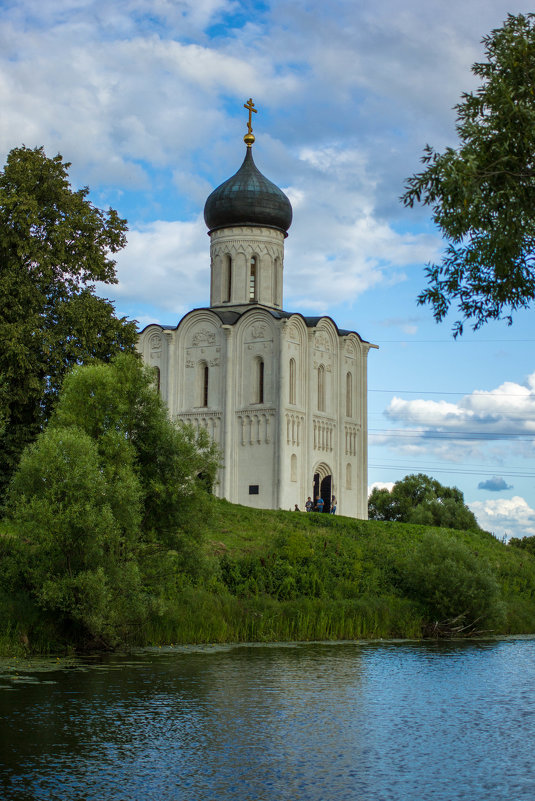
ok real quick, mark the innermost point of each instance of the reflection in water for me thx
(329, 722)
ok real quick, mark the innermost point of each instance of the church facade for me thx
(282, 394)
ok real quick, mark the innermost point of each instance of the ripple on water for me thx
(362, 721)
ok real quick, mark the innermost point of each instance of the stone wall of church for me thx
(323, 402)
(284, 402)
(246, 266)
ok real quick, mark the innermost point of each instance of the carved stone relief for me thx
(321, 341)
(203, 337)
(258, 331)
(292, 332)
(155, 342)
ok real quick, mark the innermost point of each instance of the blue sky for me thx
(145, 98)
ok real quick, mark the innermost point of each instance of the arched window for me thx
(276, 280)
(349, 395)
(157, 378)
(253, 277)
(292, 397)
(202, 384)
(228, 279)
(321, 388)
(348, 476)
(293, 467)
(260, 381)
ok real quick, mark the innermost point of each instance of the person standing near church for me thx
(309, 505)
(333, 506)
(319, 504)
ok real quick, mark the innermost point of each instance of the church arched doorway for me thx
(323, 486)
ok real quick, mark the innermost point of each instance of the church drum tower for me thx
(282, 394)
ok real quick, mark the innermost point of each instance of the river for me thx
(368, 721)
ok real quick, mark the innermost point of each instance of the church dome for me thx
(248, 198)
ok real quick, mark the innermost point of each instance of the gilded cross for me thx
(250, 105)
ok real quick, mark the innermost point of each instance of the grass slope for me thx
(288, 575)
(275, 576)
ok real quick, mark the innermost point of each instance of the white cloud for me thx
(165, 263)
(380, 485)
(480, 419)
(123, 89)
(507, 518)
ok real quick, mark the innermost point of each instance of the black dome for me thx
(248, 198)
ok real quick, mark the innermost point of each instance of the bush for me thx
(456, 588)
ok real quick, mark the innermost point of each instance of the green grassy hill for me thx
(294, 576)
(274, 576)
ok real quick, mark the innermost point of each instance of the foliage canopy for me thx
(105, 506)
(482, 194)
(418, 498)
(54, 244)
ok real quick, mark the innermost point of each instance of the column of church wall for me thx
(338, 489)
(302, 379)
(255, 416)
(230, 462)
(293, 425)
(277, 280)
(311, 395)
(240, 279)
(352, 423)
(335, 407)
(167, 376)
(363, 438)
(216, 279)
(265, 288)
(153, 345)
(282, 455)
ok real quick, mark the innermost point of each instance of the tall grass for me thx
(201, 616)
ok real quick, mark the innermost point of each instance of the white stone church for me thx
(283, 395)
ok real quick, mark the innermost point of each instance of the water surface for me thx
(308, 722)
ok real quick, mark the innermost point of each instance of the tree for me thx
(456, 587)
(524, 543)
(483, 193)
(78, 532)
(103, 506)
(117, 402)
(54, 244)
(421, 499)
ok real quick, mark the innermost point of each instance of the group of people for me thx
(310, 506)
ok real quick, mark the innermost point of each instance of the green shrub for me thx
(454, 586)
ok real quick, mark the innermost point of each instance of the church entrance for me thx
(323, 486)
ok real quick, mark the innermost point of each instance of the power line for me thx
(449, 341)
(398, 464)
(477, 393)
(455, 471)
(450, 435)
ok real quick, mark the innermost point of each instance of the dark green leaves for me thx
(53, 245)
(482, 194)
(421, 499)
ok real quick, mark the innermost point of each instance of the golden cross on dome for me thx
(250, 105)
(249, 136)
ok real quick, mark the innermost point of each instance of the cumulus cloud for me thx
(124, 90)
(505, 518)
(380, 485)
(454, 429)
(166, 263)
(336, 233)
(494, 484)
